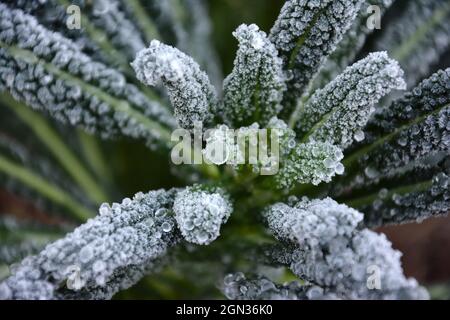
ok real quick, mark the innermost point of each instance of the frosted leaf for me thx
(191, 94)
(107, 34)
(121, 31)
(411, 129)
(200, 213)
(313, 162)
(254, 90)
(332, 251)
(52, 15)
(16, 240)
(238, 287)
(421, 32)
(338, 112)
(305, 33)
(101, 257)
(350, 45)
(77, 90)
(420, 194)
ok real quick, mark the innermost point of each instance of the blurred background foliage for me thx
(131, 167)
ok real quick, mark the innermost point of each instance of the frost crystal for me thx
(331, 251)
(340, 110)
(305, 33)
(313, 162)
(254, 90)
(48, 72)
(102, 256)
(190, 91)
(200, 213)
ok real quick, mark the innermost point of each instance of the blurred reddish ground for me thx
(425, 247)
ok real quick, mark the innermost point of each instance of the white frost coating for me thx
(350, 45)
(390, 207)
(88, 94)
(200, 213)
(190, 92)
(421, 33)
(340, 110)
(306, 32)
(254, 90)
(331, 251)
(107, 15)
(101, 256)
(313, 162)
(238, 287)
(424, 113)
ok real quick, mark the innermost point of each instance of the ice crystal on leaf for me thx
(254, 90)
(48, 72)
(331, 251)
(200, 213)
(192, 95)
(312, 162)
(340, 111)
(124, 238)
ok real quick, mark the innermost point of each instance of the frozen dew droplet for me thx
(229, 279)
(402, 141)
(189, 225)
(291, 144)
(257, 43)
(396, 198)
(98, 266)
(340, 169)
(149, 222)
(339, 155)
(371, 172)
(329, 163)
(166, 227)
(383, 193)
(126, 202)
(202, 237)
(104, 209)
(86, 254)
(162, 212)
(359, 135)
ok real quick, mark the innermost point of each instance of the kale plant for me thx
(361, 117)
